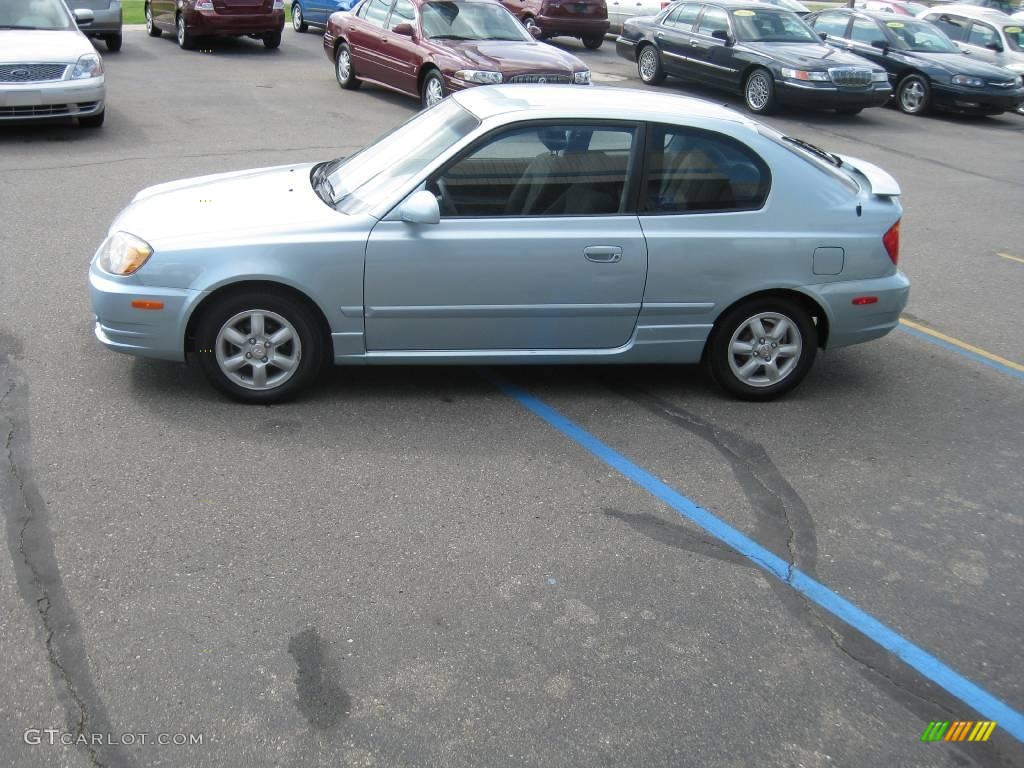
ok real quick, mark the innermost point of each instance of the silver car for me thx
(107, 21)
(509, 225)
(47, 66)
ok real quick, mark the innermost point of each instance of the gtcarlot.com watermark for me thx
(57, 736)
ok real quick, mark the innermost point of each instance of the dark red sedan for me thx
(585, 19)
(429, 48)
(191, 20)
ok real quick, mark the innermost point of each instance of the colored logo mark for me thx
(959, 730)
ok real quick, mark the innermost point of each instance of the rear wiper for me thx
(826, 156)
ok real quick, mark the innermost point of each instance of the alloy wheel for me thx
(912, 96)
(296, 17)
(648, 64)
(758, 91)
(149, 19)
(435, 92)
(258, 349)
(344, 65)
(181, 31)
(765, 349)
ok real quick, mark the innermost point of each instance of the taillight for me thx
(665, 4)
(891, 241)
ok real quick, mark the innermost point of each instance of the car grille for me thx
(1003, 83)
(555, 79)
(31, 73)
(47, 110)
(852, 77)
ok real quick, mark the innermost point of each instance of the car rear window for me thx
(807, 156)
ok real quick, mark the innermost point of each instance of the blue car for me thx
(316, 12)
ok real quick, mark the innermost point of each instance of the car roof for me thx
(736, 5)
(879, 15)
(560, 101)
(971, 11)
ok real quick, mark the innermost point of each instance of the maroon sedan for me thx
(585, 19)
(429, 48)
(190, 20)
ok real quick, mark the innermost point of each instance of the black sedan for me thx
(764, 52)
(925, 66)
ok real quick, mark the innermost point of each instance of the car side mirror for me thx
(534, 30)
(83, 16)
(420, 208)
(405, 28)
(996, 46)
(881, 45)
(721, 34)
(823, 36)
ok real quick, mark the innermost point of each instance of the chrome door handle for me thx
(694, 43)
(603, 253)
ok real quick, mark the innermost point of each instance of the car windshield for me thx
(770, 26)
(470, 21)
(915, 8)
(358, 182)
(1015, 36)
(920, 36)
(34, 14)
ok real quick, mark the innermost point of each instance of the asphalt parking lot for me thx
(412, 567)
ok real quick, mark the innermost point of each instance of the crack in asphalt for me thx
(39, 580)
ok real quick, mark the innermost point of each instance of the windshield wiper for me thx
(450, 37)
(806, 145)
(17, 26)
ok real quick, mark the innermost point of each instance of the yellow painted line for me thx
(1011, 258)
(963, 345)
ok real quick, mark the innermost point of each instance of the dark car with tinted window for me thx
(585, 19)
(430, 48)
(926, 68)
(766, 53)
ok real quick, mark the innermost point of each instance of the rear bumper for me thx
(853, 324)
(976, 100)
(560, 25)
(829, 96)
(105, 22)
(64, 98)
(626, 48)
(213, 23)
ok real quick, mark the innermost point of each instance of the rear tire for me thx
(759, 92)
(92, 121)
(763, 348)
(344, 71)
(298, 23)
(114, 42)
(305, 349)
(151, 29)
(648, 65)
(272, 40)
(593, 42)
(186, 40)
(913, 95)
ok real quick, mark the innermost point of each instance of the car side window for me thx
(690, 170)
(540, 170)
(402, 13)
(954, 26)
(683, 17)
(714, 20)
(981, 35)
(377, 12)
(832, 24)
(866, 31)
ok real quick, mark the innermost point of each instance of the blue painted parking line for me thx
(972, 695)
(962, 348)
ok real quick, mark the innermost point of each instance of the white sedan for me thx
(48, 68)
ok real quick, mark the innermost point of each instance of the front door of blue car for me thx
(537, 247)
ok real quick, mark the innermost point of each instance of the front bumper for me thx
(143, 332)
(953, 97)
(852, 324)
(213, 23)
(568, 25)
(61, 98)
(107, 21)
(830, 96)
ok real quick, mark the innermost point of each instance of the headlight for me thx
(970, 82)
(90, 65)
(123, 254)
(803, 74)
(879, 77)
(483, 77)
(581, 78)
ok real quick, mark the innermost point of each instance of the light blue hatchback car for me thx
(509, 225)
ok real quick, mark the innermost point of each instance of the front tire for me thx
(343, 69)
(763, 348)
(593, 42)
(913, 95)
(648, 66)
(114, 42)
(432, 90)
(759, 92)
(259, 346)
(298, 23)
(186, 40)
(272, 40)
(151, 28)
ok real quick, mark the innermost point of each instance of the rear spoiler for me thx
(881, 183)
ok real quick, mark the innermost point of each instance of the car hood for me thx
(809, 55)
(957, 64)
(512, 55)
(43, 46)
(237, 207)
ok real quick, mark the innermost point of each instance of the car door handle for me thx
(603, 253)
